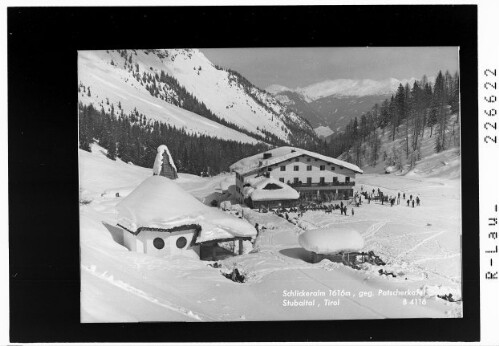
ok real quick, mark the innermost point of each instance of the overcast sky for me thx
(299, 67)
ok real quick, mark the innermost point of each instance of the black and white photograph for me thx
(269, 184)
(282, 173)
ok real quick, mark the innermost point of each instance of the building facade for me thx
(163, 242)
(316, 177)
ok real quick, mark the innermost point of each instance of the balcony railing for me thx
(334, 183)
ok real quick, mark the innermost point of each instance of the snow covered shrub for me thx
(235, 274)
(85, 201)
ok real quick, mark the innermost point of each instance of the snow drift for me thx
(159, 202)
(329, 241)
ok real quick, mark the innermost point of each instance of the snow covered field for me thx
(421, 248)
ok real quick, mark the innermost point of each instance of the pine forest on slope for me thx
(406, 117)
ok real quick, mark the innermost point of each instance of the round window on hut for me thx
(181, 242)
(158, 243)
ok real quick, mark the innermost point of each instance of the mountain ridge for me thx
(164, 83)
(343, 87)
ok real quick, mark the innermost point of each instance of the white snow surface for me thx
(160, 203)
(323, 131)
(329, 240)
(420, 245)
(285, 192)
(158, 162)
(276, 88)
(285, 153)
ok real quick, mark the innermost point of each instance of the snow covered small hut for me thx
(329, 241)
(160, 218)
(164, 165)
(270, 193)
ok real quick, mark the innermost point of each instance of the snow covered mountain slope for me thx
(110, 87)
(339, 110)
(333, 111)
(300, 106)
(162, 82)
(428, 164)
(352, 87)
(334, 103)
(323, 131)
(344, 87)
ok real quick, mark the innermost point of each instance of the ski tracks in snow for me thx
(373, 229)
(365, 307)
(419, 244)
(141, 294)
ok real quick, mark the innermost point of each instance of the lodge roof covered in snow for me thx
(159, 203)
(269, 189)
(256, 162)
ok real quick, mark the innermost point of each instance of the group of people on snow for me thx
(392, 200)
(343, 209)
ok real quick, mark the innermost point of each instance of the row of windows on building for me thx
(297, 168)
(159, 243)
(321, 180)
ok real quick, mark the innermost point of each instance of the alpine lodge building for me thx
(314, 176)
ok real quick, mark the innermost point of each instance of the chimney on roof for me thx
(267, 156)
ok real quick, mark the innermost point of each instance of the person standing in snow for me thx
(408, 202)
(413, 203)
(398, 199)
(353, 213)
(418, 201)
(404, 195)
(410, 198)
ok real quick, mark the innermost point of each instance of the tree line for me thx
(407, 114)
(134, 138)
